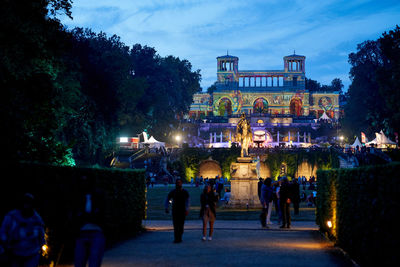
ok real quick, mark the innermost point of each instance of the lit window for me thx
(123, 139)
(260, 121)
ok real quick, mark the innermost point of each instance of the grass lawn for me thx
(156, 197)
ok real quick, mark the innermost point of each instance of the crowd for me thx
(22, 232)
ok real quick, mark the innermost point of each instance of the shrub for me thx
(362, 204)
(55, 187)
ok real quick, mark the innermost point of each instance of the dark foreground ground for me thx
(235, 243)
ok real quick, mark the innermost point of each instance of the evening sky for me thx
(260, 33)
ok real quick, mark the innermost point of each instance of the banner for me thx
(363, 138)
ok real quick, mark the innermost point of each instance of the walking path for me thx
(235, 243)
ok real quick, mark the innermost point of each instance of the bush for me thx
(362, 204)
(55, 187)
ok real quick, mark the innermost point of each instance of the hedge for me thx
(55, 187)
(362, 204)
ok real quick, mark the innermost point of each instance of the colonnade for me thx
(261, 81)
(295, 65)
(305, 138)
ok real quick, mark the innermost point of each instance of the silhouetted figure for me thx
(266, 198)
(285, 200)
(89, 223)
(22, 234)
(296, 196)
(208, 200)
(180, 209)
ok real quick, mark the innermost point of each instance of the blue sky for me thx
(260, 32)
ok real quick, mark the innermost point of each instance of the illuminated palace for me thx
(276, 101)
(264, 92)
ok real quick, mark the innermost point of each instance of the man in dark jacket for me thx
(180, 208)
(296, 196)
(285, 200)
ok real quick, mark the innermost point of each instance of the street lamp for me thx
(178, 139)
(341, 138)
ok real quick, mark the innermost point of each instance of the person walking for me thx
(208, 200)
(296, 196)
(259, 185)
(285, 200)
(89, 224)
(276, 199)
(22, 234)
(266, 198)
(180, 209)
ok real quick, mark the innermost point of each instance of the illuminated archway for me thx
(225, 107)
(296, 107)
(260, 106)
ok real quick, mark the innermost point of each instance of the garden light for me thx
(178, 138)
(329, 223)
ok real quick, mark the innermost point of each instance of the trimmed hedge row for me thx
(362, 204)
(55, 187)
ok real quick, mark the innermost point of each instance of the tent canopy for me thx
(325, 117)
(357, 143)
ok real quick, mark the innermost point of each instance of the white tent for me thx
(356, 143)
(154, 143)
(151, 142)
(381, 141)
(325, 117)
(385, 140)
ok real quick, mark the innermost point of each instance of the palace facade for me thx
(266, 93)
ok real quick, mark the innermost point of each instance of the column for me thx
(215, 137)
(298, 137)
(221, 137)
(305, 141)
(210, 138)
(277, 138)
(277, 80)
(289, 137)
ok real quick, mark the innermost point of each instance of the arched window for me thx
(260, 106)
(296, 107)
(225, 107)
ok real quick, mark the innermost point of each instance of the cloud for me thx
(260, 33)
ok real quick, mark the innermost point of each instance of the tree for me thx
(373, 96)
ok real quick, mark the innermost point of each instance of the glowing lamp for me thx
(329, 223)
(178, 138)
(123, 139)
(341, 138)
(45, 248)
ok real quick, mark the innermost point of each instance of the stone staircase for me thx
(351, 162)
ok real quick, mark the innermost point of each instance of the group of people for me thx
(281, 194)
(22, 232)
(180, 201)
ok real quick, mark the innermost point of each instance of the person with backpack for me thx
(22, 234)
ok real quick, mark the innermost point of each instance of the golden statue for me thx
(244, 135)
